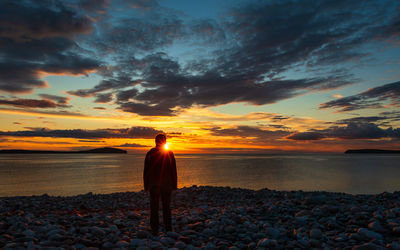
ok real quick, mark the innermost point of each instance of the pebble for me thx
(180, 245)
(142, 234)
(203, 218)
(370, 234)
(266, 243)
(155, 245)
(122, 244)
(368, 246)
(315, 233)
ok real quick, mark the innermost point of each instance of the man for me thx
(160, 179)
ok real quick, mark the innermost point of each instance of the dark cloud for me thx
(362, 119)
(304, 136)
(130, 35)
(362, 131)
(125, 95)
(146, 110)
(131, 145)
(99, 108)
(94, 6)
(247, 52)
(372, 98)
(37, 37)
(24, 20)
(103, 98)
(252, 49)
(45, 112)
(133, 132)
(61, 100)
(351, 131)
(90, 141)
(107, 84)
(143, 4)
(248, 131)
(30, 103)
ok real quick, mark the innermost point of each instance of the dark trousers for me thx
(154, 206)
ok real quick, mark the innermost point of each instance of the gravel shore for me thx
(204, 218)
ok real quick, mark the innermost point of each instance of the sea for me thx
(73, 174)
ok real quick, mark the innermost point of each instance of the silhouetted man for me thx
(160, 179)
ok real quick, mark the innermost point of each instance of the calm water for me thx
(81, 173)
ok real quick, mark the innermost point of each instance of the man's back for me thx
(160, 170)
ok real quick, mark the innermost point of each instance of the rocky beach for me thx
(204, 218)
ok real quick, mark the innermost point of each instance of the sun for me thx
(166, 146)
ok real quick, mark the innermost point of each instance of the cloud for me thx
(24, 20)
(61, 100)
(36, 37)
(103, 98)
(132, 145)
(107, 133)
(243, 57)
(90, 141)
(30, 103)
(62, 113)
(248, 53)
(305, 136)
(372, 98)
(248, 131)
(351, 131)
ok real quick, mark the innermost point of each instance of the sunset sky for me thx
(216, 76)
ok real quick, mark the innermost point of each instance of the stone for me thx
(267, 243)
(107, 245)
(368, 246)
(174, 235)
(134, 242)
(29, 233)
(273, 232)
(376, 226)
(113, 228)
(234, 248)
(185, 239)
(315, 233)
(370, 234)
(122, 244)
(142, 234)
(209, 246)
(167, 241)
(180, 245)
(229, 229)
(396, 230)
(155, 245)
(98, 232)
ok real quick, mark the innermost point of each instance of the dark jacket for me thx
(160, 170)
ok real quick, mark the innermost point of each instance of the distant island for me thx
(371, 151)
(90, 151)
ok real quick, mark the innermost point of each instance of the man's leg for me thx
(166, 203)
(154, 205)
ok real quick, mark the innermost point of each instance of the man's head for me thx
(161, 139)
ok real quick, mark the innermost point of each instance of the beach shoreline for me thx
(204, 217)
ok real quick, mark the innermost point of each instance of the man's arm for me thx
(145, 171)
(174, 173)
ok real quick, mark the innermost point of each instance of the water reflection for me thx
(77, 173)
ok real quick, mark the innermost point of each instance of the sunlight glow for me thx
(166, 146)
